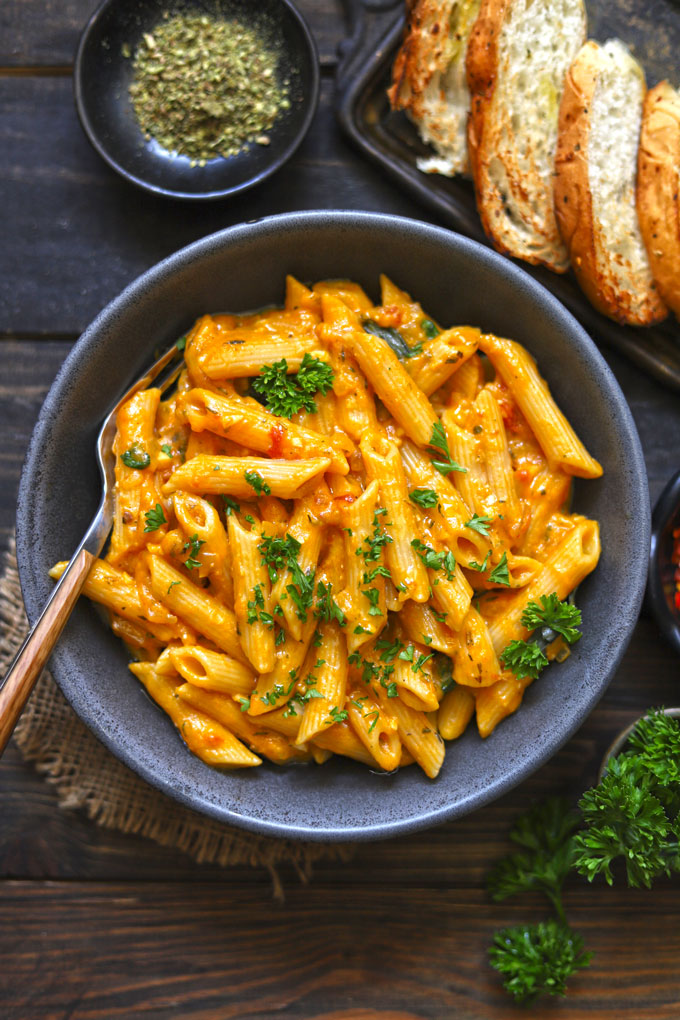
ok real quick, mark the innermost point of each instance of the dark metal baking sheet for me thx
(650, 29)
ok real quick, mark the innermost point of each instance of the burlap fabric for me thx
(87, 777)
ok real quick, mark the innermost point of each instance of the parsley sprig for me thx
(630, 821)
(154, 518)
(286, 394)
(193, 547)
(439, 441)
(426, 498)
(552, 617)
(445, 561)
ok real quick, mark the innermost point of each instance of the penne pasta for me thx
(333, 536)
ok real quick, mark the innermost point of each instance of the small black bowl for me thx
(102, 77)
(661, 584)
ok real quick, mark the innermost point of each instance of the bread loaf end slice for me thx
(429, 80)
(658, 189)
(595, 183)
(518, 55)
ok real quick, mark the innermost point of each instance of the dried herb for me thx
(204, 88)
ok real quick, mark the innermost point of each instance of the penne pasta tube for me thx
(496, 456)
(207, 738)
(455, 711)
(246, 477)
(201, 524)
(363, 598)
(375, 730)
(224, 709)
(212, 671)
(245, 421)
(572, 560)
(193, 604)
(403, 398)
(450, 516)
(117, 591)
(560, 443)
(293, 589)
(475, 663)
(242, 354)
(341, 739)
(252, 596)
(383, 464)
(417, 733)
(414, 676)
(423, 623)
(327, 677)
(441, 357)
(497, 702)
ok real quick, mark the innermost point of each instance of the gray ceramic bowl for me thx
(242, 268)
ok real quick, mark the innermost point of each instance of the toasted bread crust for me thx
(584, 237)
(658, 198)
(430, 62)
(517, 215)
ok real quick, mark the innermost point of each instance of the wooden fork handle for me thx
(37, 648)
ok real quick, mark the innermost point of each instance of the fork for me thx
(31, 658)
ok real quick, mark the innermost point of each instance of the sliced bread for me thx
(429, 81)
(658, 189)
(596, 169)
(518, 55)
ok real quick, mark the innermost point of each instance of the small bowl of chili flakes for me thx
(195, 102)
(663, 587)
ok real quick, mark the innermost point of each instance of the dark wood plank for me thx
(45, 33)
(204, 952)
(80, 233)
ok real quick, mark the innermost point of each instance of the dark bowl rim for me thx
(667, 508)
(311, 103)
(537, 755)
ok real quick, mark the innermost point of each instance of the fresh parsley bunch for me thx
(632, 815)
(286, 394)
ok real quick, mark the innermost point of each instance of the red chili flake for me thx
(276, 434)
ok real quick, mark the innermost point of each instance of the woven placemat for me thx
(87, 777)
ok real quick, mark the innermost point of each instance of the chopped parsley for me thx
(375, 541)
(439, 441)
(426, 498)
(558, 616)
(172, 585)
(480, 524)
(193, 547)
(481, 567)
(154, 518)
(500, 574)
(373, 596)
(230, 506)
(181, 343)
(445, 561)
(336, 716)
(326, 607)
(167, 449)
(278, 553)
(244, 702)
(286, 394)
(136, 457)
(524, 658)
(255, 479)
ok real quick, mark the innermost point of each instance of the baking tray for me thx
(652, 31)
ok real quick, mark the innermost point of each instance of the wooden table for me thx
(95, 924)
